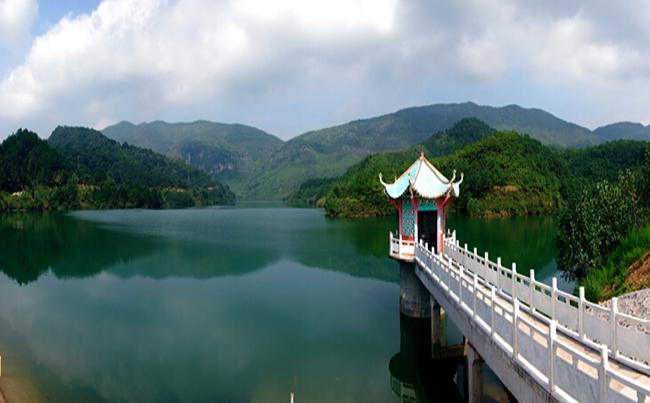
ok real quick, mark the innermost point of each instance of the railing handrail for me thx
(444, 272)
(614, 316)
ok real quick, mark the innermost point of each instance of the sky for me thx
(289, 66)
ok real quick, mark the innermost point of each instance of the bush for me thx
(609, 279)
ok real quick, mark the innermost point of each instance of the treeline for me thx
(81, 168)
(506, 174)
(604, 230)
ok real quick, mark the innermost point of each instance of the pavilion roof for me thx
(424, 180)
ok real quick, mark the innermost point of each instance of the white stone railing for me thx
(627, 337)
(484, 291)
(401, 248)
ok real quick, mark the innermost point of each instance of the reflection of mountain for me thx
(205, 243)
(33, 243)
(228, 339)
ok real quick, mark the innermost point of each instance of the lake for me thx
(218, 304)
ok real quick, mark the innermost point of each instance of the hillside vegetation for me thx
(260, 166)
(81, 168)
(506, 174)
(604, 231)
(229, 152)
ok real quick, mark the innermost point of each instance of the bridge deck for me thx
(574, 368)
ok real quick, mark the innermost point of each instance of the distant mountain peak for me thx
(623, 131)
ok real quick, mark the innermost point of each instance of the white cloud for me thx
(16, 18)
(291, 65)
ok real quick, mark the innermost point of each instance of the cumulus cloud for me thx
(16, 18)
(291, 65)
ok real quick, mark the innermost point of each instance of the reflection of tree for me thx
(528, 241)
(358, 247)
(33, 243)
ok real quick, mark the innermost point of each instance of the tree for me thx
(592, 225)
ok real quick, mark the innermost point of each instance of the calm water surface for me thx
(220, 304)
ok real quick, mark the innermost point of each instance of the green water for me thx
(221, 304)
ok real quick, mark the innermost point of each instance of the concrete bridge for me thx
(543, 344)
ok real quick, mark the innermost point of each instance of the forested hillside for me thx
(464, 132)
(505, 173)
(260, 166)
(80, 168)
(230, 152)
(329, 152)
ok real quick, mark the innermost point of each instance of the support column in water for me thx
(436, 328)
(475, 375)
(413, 296)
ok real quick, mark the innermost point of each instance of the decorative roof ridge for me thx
(427, 182)
(439, 174)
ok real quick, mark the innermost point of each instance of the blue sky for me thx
(48, 14)
(288, 66)
(51, 11)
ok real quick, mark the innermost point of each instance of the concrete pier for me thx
(474, 375)
(436, 329)
(413, 296)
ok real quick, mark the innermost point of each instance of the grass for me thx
(610, 279)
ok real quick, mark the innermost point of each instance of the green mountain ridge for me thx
(81, 168)
(506, 173)
(623, 131)
(229, 152)
(329, 152)
(258, 165)
(464, 132)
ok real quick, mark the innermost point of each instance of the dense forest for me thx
(258, 165)
(358, 183)
(604, 230)
(81, 168)
(506, 174)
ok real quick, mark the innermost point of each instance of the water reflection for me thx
(414, 376)
(189, 243)
(217, 242)
(218, 305)
(258, 337)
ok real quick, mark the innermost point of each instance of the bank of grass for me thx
(613, 277)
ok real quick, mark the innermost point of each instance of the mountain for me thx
(230, 152)
(623, 131)
(329, 152)
(462, 133)
(605, 161)
(258, 165)
(27, 161)
(505, 174)
(121, 172)
(81, 168)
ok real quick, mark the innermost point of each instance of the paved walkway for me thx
(504, 308)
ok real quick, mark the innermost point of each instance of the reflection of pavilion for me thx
(414, 376)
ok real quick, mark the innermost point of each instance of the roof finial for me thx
(421, 154)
